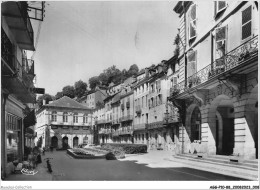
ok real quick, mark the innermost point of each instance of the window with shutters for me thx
(219, 6)
(221, 39)
(247, 23)
(65, 117)
(192, 22)
(191, 63)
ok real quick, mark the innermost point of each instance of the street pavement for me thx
(145, 167)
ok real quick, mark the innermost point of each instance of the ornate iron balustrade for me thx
(101, 121)
(140, 126)
(171, 118)
(126, 118)
(115, 133)
(155, 125)
(229, 61)
(126, 131)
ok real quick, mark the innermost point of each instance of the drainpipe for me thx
(185, 63)
(4, 97)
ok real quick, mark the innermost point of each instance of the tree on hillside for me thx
(46, 97)
(58, 95)
(133, 70)
(68, 91)
(80, 88)
(93, 82)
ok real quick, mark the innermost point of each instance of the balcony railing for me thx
(155, 125)
(101, 121)
(126, 118)
(115, 133)
(229, 61)
(171, 118)
(128, 131)
(140, 126)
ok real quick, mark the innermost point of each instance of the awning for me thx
(30, 119)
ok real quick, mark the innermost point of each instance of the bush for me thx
(110, 156)
(126, 148)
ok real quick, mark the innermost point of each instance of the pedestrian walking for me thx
(43, 151)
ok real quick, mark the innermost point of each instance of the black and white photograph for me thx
(129, 94)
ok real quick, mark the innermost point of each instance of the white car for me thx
(89, 146)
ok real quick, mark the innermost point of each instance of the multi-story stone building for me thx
(17, 84)
(218, 77)
(93, 97)
(127, 112)
(64, 123)
(141, 91)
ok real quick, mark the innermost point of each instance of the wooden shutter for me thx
(247, 22)
(192, 25)
(191, 65)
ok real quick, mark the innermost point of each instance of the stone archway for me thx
(251, 115)
(75, 141)
(221, 125)
(65, 141)
(193, 122)
(54, 142)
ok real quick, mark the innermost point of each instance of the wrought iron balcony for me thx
(127, 131)
(155, 125)
(101, 121)
(171, 118)
(115, 133)
(141, 126)
(17, 18)
(225, 64)
(126, 118)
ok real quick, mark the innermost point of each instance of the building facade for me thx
(17, 86)
(93, 97)
(217, 88)
(64, 123)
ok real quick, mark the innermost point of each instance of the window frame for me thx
(247, 38)
(217, 12)
(54, 116)
(65, 117)
(75, 118)
(190, 20)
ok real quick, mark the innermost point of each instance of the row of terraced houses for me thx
(202, 100)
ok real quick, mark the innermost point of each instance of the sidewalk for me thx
(164, 159)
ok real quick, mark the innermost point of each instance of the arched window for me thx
(54, 116)
(85, 118)
(65, 117)
(75, 118)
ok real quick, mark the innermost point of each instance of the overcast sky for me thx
(79, 40)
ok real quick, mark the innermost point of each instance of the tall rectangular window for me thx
(192, 22)
(247, 23)
(221, 47)
(191, 65)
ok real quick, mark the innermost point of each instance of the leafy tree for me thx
(93, 82)
(46, 97)
(133, 70)
(80, 88)
(58, 95)
(100, 105)
(68, 91)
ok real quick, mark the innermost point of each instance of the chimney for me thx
(146, 72)
(43, 102)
